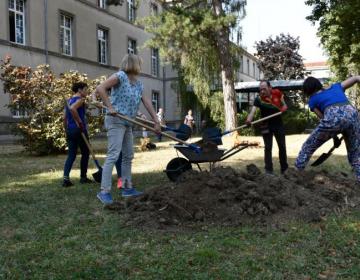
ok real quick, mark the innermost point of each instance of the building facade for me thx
(90, 37)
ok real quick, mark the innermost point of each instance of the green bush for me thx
(40, 94)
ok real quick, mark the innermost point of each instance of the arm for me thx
(148, 105)
(185, 122)
(350, 82)
(73, 110)
(318, 113)
(251, 115)
(102, 89)
(65, 120)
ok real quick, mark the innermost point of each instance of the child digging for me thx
(337, 116)
(75, 124)
(126, 94)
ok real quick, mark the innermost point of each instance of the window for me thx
(131, 10)
(101, 4)
(19, 112)
(155, 100)
(17, 21)
(132, 46)
(155, 62)
(248, 66)
(241, 64)
(102, 35)
(154, 11)
(254, 70)
(66, 34)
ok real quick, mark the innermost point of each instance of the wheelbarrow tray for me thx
(203, 156)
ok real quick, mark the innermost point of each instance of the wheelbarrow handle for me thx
(252, 123)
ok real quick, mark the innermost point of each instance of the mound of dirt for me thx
(226, 197)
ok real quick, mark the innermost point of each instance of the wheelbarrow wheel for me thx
(176, 167)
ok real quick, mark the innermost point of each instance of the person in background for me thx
(189, 120)
(126, 94)
(161, 119)
(75, 124)
(271, 101)
(337, 116)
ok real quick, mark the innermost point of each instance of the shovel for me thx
(325, 156)
(98, 174)
(215, 133)
(196, 148)
(182, 133)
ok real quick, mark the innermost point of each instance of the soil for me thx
(226, 197)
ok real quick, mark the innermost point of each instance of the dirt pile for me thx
(227, 197)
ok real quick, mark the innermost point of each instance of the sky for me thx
(272, 17)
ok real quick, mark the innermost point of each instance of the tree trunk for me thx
(227, 76)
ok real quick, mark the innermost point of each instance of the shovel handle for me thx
(252, 123)
(121, 116)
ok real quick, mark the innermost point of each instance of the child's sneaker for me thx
(127, 192)
(105, 198)
(119, 183)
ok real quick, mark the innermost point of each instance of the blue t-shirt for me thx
(125, 97)
(334, 94)
(71, 124)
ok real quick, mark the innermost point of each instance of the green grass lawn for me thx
(48, 232)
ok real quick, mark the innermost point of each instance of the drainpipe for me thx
(46, 31)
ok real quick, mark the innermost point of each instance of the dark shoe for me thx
(86, 180)
(67, 183)
(269, 172)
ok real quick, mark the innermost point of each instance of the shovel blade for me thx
(321, 159)
(97, 176)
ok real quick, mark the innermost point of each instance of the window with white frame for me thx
(17, 21)
(248, 66)
(155, 100)
(66, 23)
(254, 70)
(103, 42)
(132, 46)
(101, 4)
(131, 10)
(155, 62)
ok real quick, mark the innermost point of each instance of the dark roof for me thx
(279, 84)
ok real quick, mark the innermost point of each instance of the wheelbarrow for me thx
(211, 155)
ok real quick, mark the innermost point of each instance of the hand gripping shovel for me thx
(325, 156)
(97, 175)
(213, 134)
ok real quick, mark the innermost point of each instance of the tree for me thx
(194, 34)
(280, 58)
(339, 31)
(39, 93)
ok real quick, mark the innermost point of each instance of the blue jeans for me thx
(120, 140)
(75, 140)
